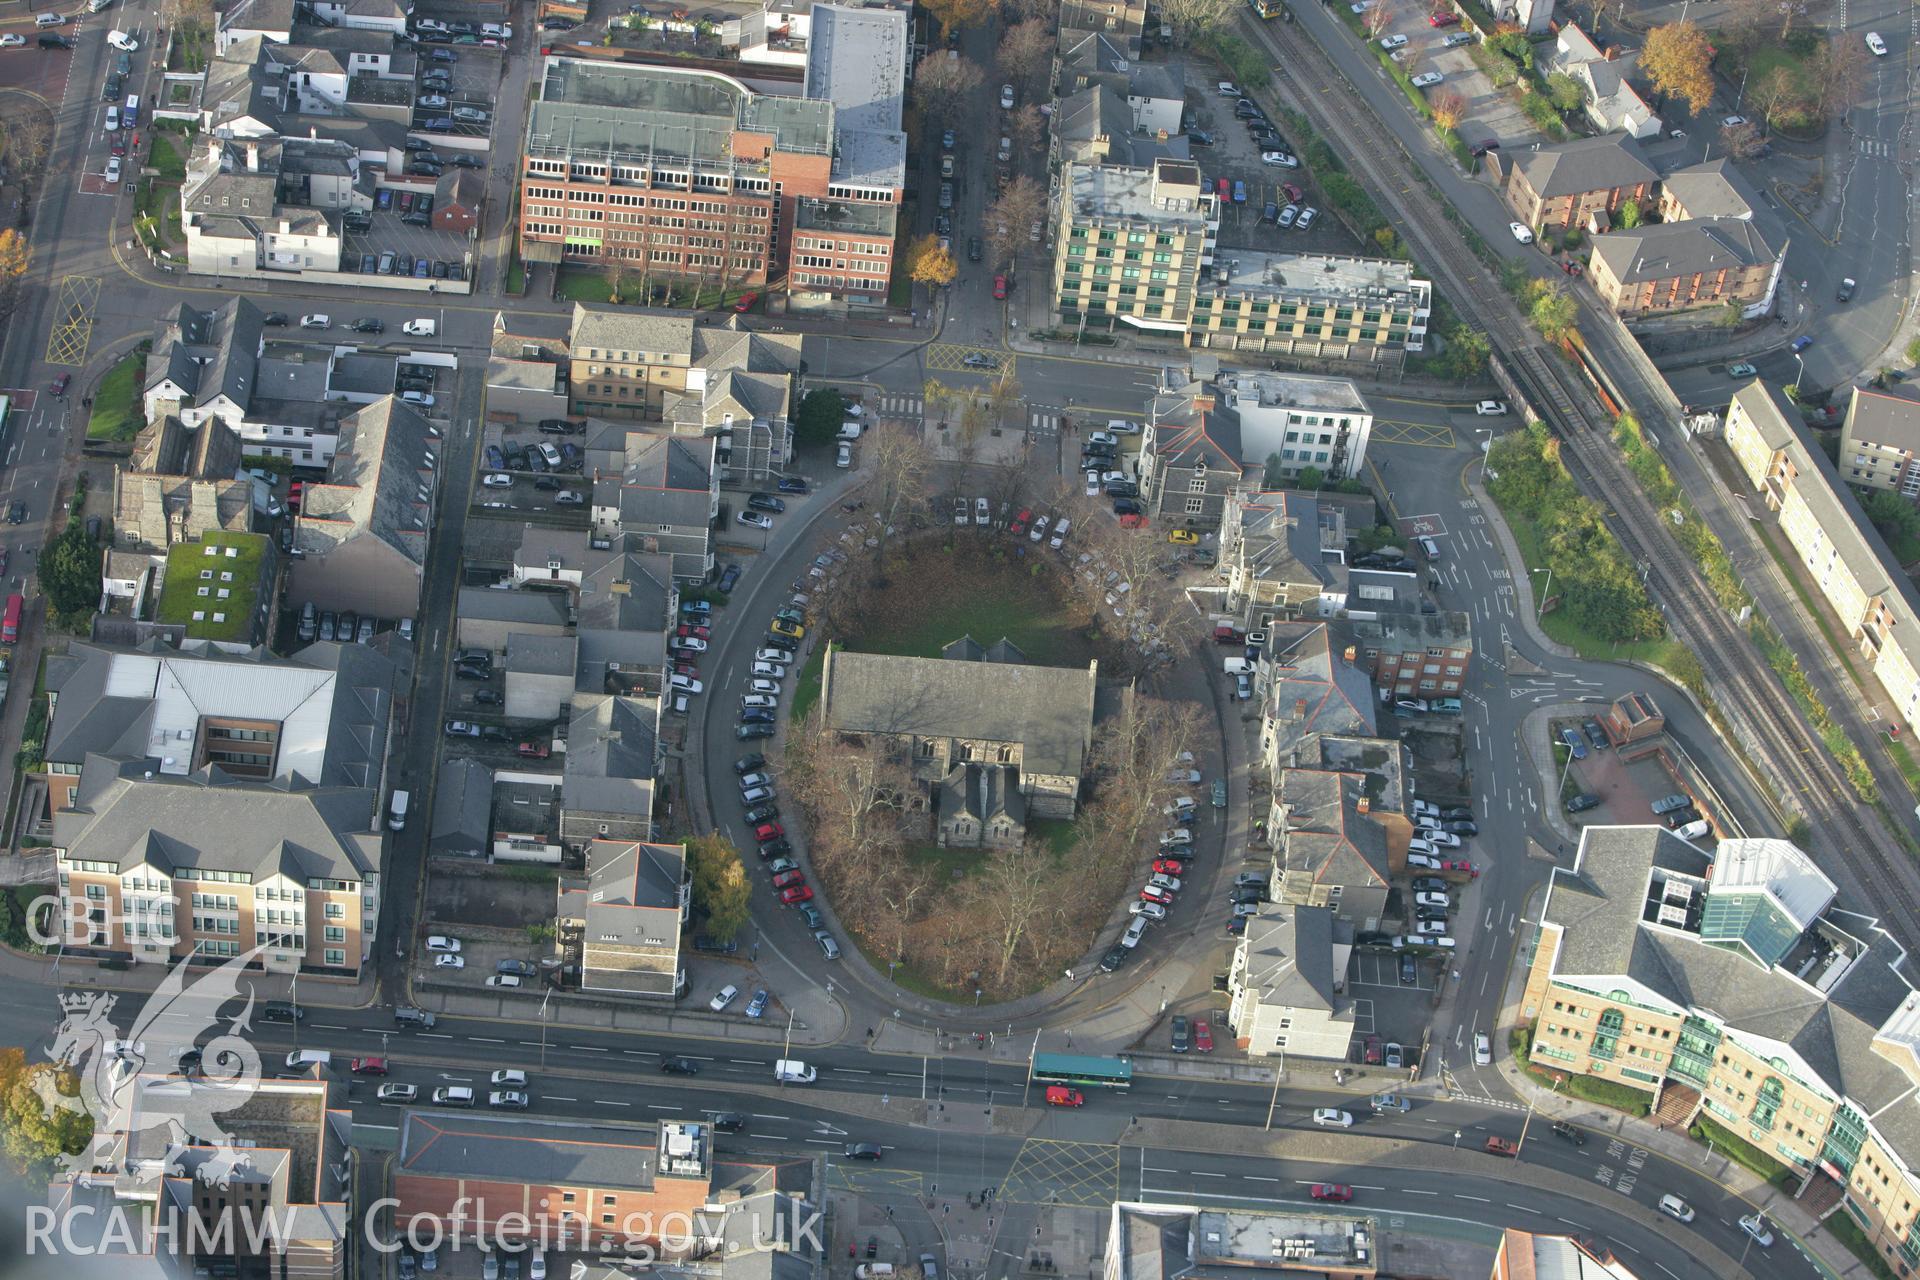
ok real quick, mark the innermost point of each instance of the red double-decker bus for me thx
(10, 623)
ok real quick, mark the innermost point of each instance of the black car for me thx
(1596, 735)
(973, 248)
(547, 484)
(1582, 802)
(488, 697)
(1178, 1034)
(756, 715)
(1127, 507)
(1372, 938)
(1461, 827)
(679, 1067)
(1409, 971)
(747, 764)
(465, 161)
(1245, 897)
(281, 1011)
(1122, 489)
(1115, 957)
(943, 224)
(370, 326)
(558, 24)
(444, 55)
(1561, 1129)
(728, 578)
(274, 317)
(765, 502)
(1199, 138)
(773, 640)
(778, 847)
(792, 484)
(55, 42)
(862, 1151)
(468, 671)
(1463, 814)
(727, 1121)
(748, 732)
(760, 813)
(556, 427)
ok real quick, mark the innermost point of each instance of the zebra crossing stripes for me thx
(1044, 424)
(902, 406)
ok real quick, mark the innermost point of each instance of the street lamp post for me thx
(1485, 450)
(543, 1027)
(1800, 361)
(1541, 607)
(1456, 1140)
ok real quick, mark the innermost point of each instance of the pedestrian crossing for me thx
(903, 406)
(1044, 422)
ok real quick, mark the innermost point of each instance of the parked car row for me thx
(345, 627)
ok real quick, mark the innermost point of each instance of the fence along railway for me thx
(1750, 697)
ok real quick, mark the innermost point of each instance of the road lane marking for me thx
(761, 1115)
(601, 1102)
(554, 1097)
(485, 1040)
(662, 1106)
(1570, 1222)
(591, 1048)
(1458, 1195)
(850, 1071)
(825, 1142)
(748, 1062)
(1415, 1191)
(1529, 1208)
(1202, 1173)
(324, 1026)
(1254, 1177)
(435, 1035)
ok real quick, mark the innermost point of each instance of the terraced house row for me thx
(1730, 986)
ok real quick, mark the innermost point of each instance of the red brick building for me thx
(689, 175)
(1554, 188)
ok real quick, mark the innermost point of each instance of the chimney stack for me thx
(1351, 654)
(1299, 708)
(1364, 805)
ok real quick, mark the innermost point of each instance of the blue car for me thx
(1239, 191)
(792, 484)
(1802, 342)
(729, 579)
(385, 199)
(1574, 742)
(422, 269)
(496, 460)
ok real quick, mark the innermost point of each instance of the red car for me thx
(1371, 1054)
(796, 893)
(748, 299)
(1019, 525)
(1058, 1095)
(1153, 893)
(1338, 1192)
(1443, 18)
(688, 629)
(294, 493)
(368, 1066)
(999, 286)
(1294, 194)
(60, 384)
(535, 750)
(1464, 868)
(1133, 521)
(1223, 187)
(768, 831)
(1202, 1036)
(787, 879)
(1169, 866)
(686, 669)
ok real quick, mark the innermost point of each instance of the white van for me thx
(1694, 830)
(397, 811)
(453, 1096)
(1237, 666)
(418, 328)
(793, 1071)
(850, 431)
(301, 1059)
(873, 1271)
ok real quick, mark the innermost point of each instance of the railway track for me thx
(1745, 685)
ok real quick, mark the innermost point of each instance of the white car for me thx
(497, 30)
(1093, 484)
(982, 512)
(1162, 880)
(1392, 42)
(1430, 928)
(687, 684)
(1732, 122)
(760, 700)
(1520, 232)
(748, 781)
(727, 995)
(692, 644)
(767, 687)
(1756, 1226)
(509, 1079)
(1151, 910)
(508, 980)
(1417, 845)
(419, 399)
(122, 41)
(316, 322)
(959, 510)
(1059, 534)
(497, 480)
(769, 670)
(1189, 776)
(12, 40)
(1006, 97)
(779, 657)
(1439, 900)
(844, 457)
(1425, 809)
(449, 962)
(1491, 408)
(1038, 531)
(1875, 45)
(113, 168)
(1104, 437)
(1482, 1050)
(756, 519)
(1279, 160)
(1177, 838)
(1426, 79)
(419, 328)
(397, 1092)
(442, 943)
(1332, 1118)
(1441, 839)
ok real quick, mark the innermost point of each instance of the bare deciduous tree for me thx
(897, 463)
(1377, 21)
(1025, 49)
(1840, 71)
(1195, 18)
(1028, 129)
(941, 87)
(1009, 219)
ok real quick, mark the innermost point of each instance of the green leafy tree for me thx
(1309, 478)
(70, 572)
(1732, 312)
(721, 890)
(1554, 313)
(1897, 519)
(1565, 93)
(820, 416)
(32, 1133)
(1629, 216)
(1465, 357)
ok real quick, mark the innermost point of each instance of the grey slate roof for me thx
(209, 354)
(1889, 418)
(1048, 710)
(1586, 164)
(480, 1146)
(1326, 833)
(1661, 251)
(1290, 957)
(541, 608)
(1712, 189)
(667, 480)
(607, 328)
(1279, 539)
(373, 484)
(1157, 80)
(627, 886)
(536, 655)
(984, 792)
(610, 755)
(462, 807)
(1313, 690)
(208, 821)
(967, 649)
